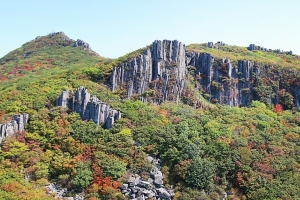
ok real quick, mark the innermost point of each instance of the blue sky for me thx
(116, 27)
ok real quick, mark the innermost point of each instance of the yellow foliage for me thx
(126, 132)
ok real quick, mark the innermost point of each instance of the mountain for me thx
(203, 121)
(33, 75)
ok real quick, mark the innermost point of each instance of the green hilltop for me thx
(33, 75)
(235, 53)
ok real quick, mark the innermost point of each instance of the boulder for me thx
(163, 193)
(158, 180)
(150, 180)
(132, 196)
(124, 187)
(171, 192)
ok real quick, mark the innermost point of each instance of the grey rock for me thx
(137, 180)
(16, 125)
(135, 189)
(144, 184)
(131, 179)
(171, 192)
(158, 180)
(62, 100)
(124, 191)
(55, 33)
(161, 67)
(27, 54)
(150, 159)
(228, 85)
(160, 72)
(156, 172)
(251, 47)
(131, 184)
(149, 194)
(132, 196)
(89, 107)
(163, 193)
(150, 180)
(142, 197)
(124, 186)
(81, 43)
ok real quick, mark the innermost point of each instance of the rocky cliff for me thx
(89, 108)
(226, 83)
(14, 126)
(161, 68)
(160, 74)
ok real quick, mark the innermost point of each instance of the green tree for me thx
(94, 73)
(83, 177)
(201, 173)
(110, 165)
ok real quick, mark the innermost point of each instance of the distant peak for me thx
(56, 33)
(55, 36)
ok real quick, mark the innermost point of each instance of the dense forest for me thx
(206, 148)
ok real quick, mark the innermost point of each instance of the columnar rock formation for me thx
(226, 83)
(160, 74)
(253, 47)
(89, 108)
(17, 124)
(161, 67)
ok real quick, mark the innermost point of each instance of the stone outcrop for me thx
(89, 107)
(81, 43)
(75, 43)
(225, 83)
(238, 83)
(17, 124)
(60, 192)
(253, 47)
(153, 188)
(161, 68)
(160, 74)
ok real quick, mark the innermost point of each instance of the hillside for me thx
(235, 53)
(33, 75)
(219, 122)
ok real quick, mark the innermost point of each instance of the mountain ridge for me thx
(209, 123)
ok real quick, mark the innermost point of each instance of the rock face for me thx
(160, 74)
(81, 43)
(225, 83)
(89, 108)
(161, 68)
(14, 126)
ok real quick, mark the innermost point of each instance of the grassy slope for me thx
(29, 83)
(235, 53)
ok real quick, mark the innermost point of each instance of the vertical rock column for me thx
(63, 99)
(89, 108)
(12, 127)
(161, 67)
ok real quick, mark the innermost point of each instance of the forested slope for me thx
(206, 148)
